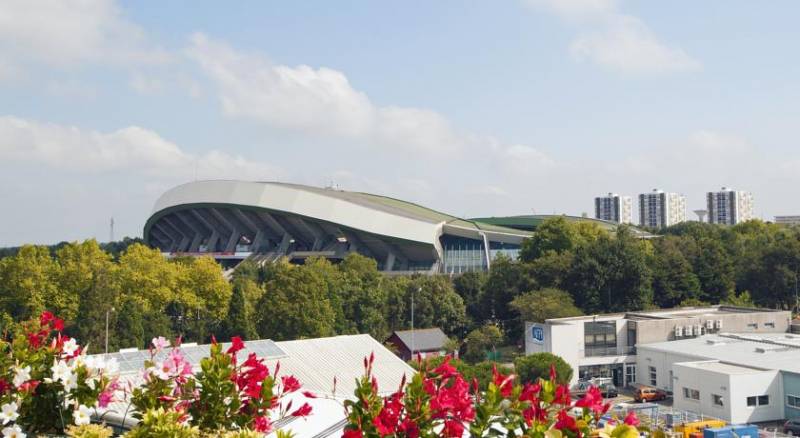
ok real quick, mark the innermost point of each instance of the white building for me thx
(739, 377)
(614, 208)
(787, 220)
(606, 345)
(729, 207)
(661, 209)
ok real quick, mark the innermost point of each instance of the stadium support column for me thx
(389, 264)
(486, 254)
(212, 241)
(235, 233)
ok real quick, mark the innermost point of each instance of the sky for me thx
(471, 108)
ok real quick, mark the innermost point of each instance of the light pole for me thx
(419, 289)
(107, 313)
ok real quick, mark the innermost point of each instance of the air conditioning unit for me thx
(678, 331)
(710, 324)
(719, 324)
(698, 330)
(687, 331)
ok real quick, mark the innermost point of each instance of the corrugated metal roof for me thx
(423, 339)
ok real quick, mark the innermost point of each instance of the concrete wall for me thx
(791, 386)
(734, 389)
(650, 331)
(662, 362)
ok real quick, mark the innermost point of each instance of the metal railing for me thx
(608, 351)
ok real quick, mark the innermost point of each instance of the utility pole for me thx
(413, 346)
(111, 231)
(107, 312)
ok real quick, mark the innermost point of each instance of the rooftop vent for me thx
(760, 350)
(128, 350)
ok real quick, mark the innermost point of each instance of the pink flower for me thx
(290, 384)
(353, 433)
(160, 343)
(104, 398)
(631, 419)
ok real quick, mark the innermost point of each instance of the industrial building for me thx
(739, 377)
(265, 221)
(607, 345)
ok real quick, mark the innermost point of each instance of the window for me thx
(760, 400)
(769, 324)
(763, 400)
(653, 375)
(752, 325)
(691, 394)
(716, 399)
(600, 338)
(793, 401)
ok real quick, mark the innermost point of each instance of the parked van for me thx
(646, 393)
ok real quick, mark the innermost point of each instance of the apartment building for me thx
(661, 209)
(729, 207)
(614, 208)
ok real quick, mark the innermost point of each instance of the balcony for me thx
(608, 351)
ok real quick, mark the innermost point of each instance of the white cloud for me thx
(146, 84)
(317, 101)
(68, 33)
(618, 41)
(133, 148)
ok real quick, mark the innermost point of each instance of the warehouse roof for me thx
(424, 339)
(778, 351)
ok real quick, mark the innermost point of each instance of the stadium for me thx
(265, 221)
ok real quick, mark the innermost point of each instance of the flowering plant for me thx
(439, 402)
(223, 395)
(47, 382)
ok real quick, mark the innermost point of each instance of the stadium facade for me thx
(265, 221)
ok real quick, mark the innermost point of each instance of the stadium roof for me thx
(530, 222)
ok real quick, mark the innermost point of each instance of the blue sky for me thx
(473, 108)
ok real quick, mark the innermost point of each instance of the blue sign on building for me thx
(538, 334)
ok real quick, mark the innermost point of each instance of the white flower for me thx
(21, 375)
(60, 371)
(8, 412)
(13, 432)
(69, 347)
(83, 415)
(90, 382)
(70, 382)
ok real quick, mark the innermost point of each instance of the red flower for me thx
(4, 386)
(29, 386)
(410, 428)
(552, 372)
(262, 424)
(236, 345)
(445, 369)
(290, 384)
(352, 433)
(530, 392)
(45, 318)
(57, 324)
(631, 419)
(593, 400)
(504, 383)
(389, 416)
(562, 396)
(565, 422)
(453, 428)
(309, 394)
(302, 411)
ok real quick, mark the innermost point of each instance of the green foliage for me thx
(537, 365)
(481, 341)
(89, 431)
(241, 312)
(673, 278)
(158, 423)
(539, 305)
(558, 235)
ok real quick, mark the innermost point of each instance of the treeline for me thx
(114, 248)
(565, 269)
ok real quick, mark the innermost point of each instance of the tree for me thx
(506, 280)
(714, 269)
(558, 235)
(470, 287)
(129, 326)
(480, 341)
(436, 304)
(29, 284)
(611, 275)
(673, 278)
(240, 319)
(294, 305)
(362, 295)
(533, 366)
(539, 305)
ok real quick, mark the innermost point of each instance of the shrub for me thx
(538, 365)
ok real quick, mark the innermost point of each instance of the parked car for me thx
(608, 390)
(647, 393)
(792, 427)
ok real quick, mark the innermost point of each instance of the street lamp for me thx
(107, 313)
